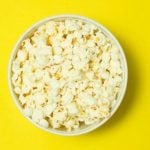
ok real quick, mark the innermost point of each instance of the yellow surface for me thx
(129, 128)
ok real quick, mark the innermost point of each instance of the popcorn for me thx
(115, 65)
(57, 50)
(44, 123)
(50, 28)
(54, 84)
(71, 25)
(48, 109)
(104, 74)
(22, 99)
(39, 98)
(72, 109)
(58, 117)
(90, 75)
(41, 61)
(17, 90)
(90, 43)
(67, 97)
(27, 112)
(39, 40)
(16, 65)
(74, 75)
(22, 55)
(104, 111)
(93, 112)
(57, 59)
(16, 79)
(37, 115)
(106, 57)
(85, 99)
(69, 124)
(27, 45)
(102, 38)
(25, 89)
(114, 49)
(67, 74)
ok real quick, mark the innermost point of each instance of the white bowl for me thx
(84, 129)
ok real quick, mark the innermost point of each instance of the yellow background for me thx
(129, 128)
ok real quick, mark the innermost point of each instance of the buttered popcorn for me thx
(68, 73)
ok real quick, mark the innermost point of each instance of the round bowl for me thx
(85, 129)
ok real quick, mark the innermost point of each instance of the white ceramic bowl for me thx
(84, 129)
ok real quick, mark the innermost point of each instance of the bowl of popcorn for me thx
(67, 74)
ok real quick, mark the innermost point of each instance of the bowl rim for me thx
(121, 93)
